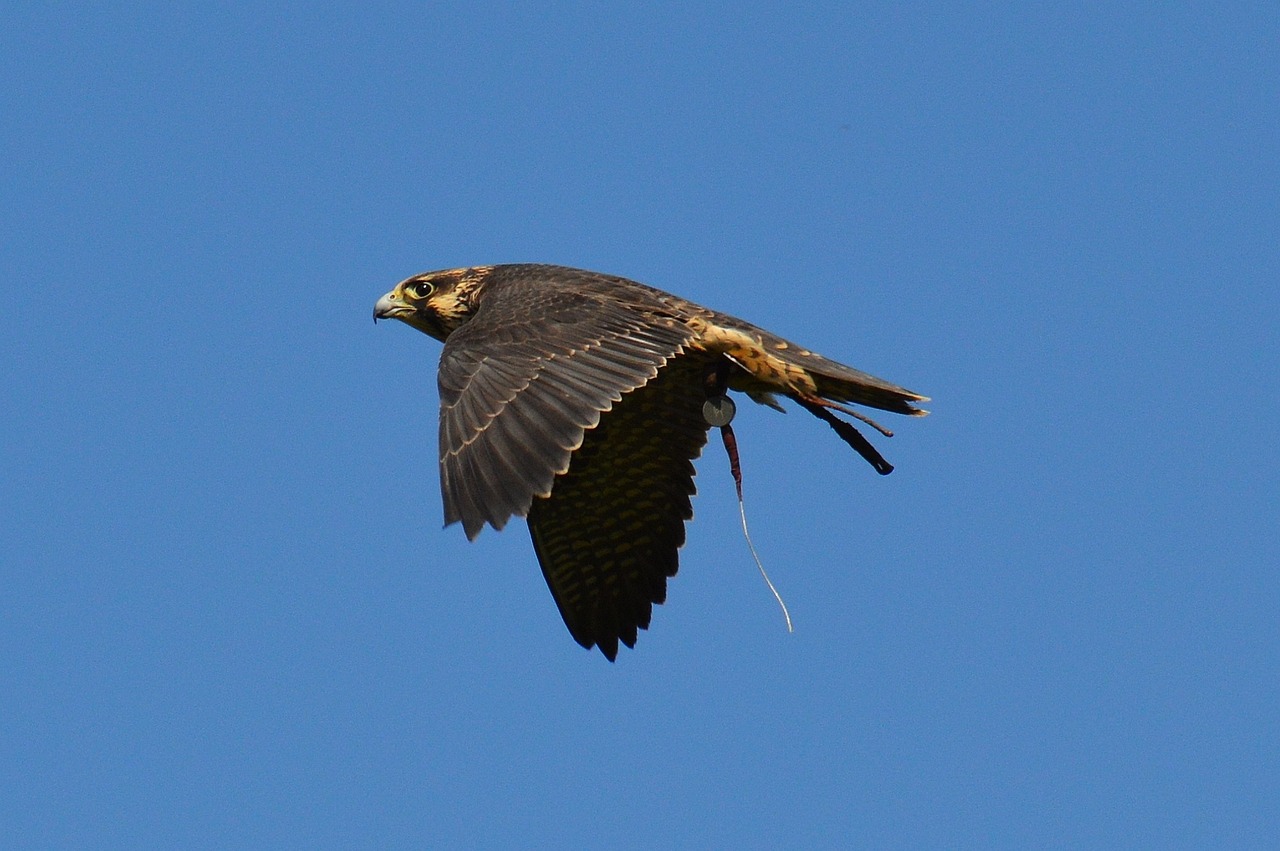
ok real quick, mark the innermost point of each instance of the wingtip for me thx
(609, 649)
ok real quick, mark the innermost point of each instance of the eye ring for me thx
(421, 289)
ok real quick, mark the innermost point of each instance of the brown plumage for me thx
(574, 399)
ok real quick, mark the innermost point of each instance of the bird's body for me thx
(575, 399)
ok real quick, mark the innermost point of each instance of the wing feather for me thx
(523, 380)
(609, 536)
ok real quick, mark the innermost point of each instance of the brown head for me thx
(436, 303)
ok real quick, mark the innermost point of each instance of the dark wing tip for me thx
(609, 535)
(609, 647)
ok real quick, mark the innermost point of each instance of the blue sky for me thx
(229, 616)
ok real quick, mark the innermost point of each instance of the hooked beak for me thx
(390, 307)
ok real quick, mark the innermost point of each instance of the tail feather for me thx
(836, 383)
(873, 394)
(841, 383)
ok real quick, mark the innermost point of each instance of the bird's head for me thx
(436, 303)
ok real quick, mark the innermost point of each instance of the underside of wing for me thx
(608, 535)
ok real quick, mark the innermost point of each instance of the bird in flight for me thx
(579, 400)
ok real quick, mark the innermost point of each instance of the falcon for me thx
(579, 401)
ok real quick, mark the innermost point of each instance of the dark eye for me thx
(420, 289)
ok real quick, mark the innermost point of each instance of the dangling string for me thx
(718, 410)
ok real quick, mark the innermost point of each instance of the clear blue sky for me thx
(229, 615)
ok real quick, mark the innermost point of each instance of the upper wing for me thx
(522, 381)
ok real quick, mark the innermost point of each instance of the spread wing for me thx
(523, 380)
(608, 537)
